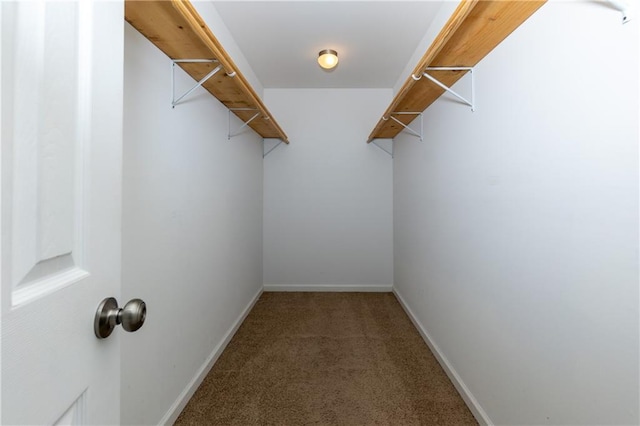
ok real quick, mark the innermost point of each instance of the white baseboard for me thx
(477, 411)
(329, 288)
(177, 407)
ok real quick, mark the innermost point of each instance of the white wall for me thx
(328, 195)
(516, 227)
(192, 231)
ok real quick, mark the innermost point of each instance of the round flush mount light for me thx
(328, 59)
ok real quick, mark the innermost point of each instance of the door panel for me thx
(46, 118)
(61, 116)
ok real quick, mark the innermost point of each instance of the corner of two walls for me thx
(208, 12)
(192, 233)
(516, 226)
(447, 8)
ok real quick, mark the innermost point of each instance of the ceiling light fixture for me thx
(328, 59)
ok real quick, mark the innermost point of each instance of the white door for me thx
(61, 118)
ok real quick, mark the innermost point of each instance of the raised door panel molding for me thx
(44, 140)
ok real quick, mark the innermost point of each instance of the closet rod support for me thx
(175, 101)
(276, 145)
(245, 124)
(380, 146)
(407, 128)
(623, 7)
(471, 103)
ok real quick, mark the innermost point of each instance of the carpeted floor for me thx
(326, 359)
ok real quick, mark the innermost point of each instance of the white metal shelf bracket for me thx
(382, 148)
(245, 124)
(407, 128)
(624, 7)
(275, 146)
(471, 102)
(175, 101)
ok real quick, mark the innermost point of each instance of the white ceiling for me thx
(374, 39)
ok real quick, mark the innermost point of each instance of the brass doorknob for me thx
(108, 316)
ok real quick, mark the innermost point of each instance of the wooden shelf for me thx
(474, 29)
(177, 29)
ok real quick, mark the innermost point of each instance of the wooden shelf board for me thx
(474, 30)
(177, 30)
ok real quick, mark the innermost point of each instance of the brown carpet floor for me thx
(326, 359)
